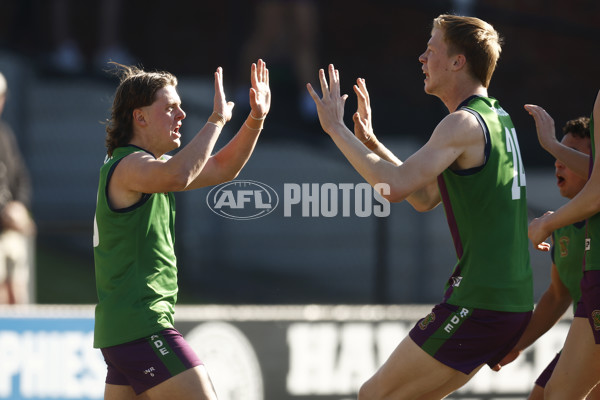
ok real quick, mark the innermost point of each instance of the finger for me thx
(219, 75)
(258, 71)
(363, 97)
(253, 75)
(496, 367)
(334, 80)
(543, 246)
(324, 86)
(263, 69)
(217, 80)
(253, 97)
(312, 93)
(363, 86)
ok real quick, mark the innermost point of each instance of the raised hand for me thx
(544, 125)
(221, 105)
(537, 233)
(331, 106)
(363, 126)
(260, 92)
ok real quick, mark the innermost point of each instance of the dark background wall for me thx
(551, 57)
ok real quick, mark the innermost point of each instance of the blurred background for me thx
(54, 55)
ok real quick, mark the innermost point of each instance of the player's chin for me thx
(176, 144)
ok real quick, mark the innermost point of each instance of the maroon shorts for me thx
(547, 373)
(144, 363)
(589, 303)
(465, 338)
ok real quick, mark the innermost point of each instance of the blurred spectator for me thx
(17, 229)
(67, 57)
(285, 29)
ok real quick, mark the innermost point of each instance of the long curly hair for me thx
(137, 88)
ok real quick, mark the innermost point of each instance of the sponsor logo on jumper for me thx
(588, 244)
(563, 242)
(456, 281)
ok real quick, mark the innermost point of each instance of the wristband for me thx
(258, 119)
(253, 123)
(217, 119)
(254, 129)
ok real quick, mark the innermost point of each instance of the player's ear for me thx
(139, 117)
(459, 61)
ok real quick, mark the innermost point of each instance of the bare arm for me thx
(576, 161)
(226, 164)
(423, 199)
(582, 206)
(454, 142)
(140, 172)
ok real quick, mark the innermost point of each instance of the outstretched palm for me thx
(260, 93)
(221, 105)
(363, 128)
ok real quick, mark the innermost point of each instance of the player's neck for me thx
(461, 91)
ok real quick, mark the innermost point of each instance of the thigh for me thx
(147, 362)
(411, 373)
(537, 393)
(578, 369)
(465, 338)
(193, 384)
(118, 392)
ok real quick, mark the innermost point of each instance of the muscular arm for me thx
(456, 142)
(140, 172)
(193, 166)
(576, 161)
(582, 206)
(226, 164)
(423, 199)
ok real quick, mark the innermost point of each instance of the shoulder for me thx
(137, 158)
(461, 126)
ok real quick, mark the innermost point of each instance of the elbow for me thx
(394, 195)
(179, 183)
(423, 207)
(231, 175)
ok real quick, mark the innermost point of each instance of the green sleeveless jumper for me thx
(567, 255)
(592, 241)
(486, 209)
(136, 272)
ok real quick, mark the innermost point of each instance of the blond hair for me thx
(477, 40)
